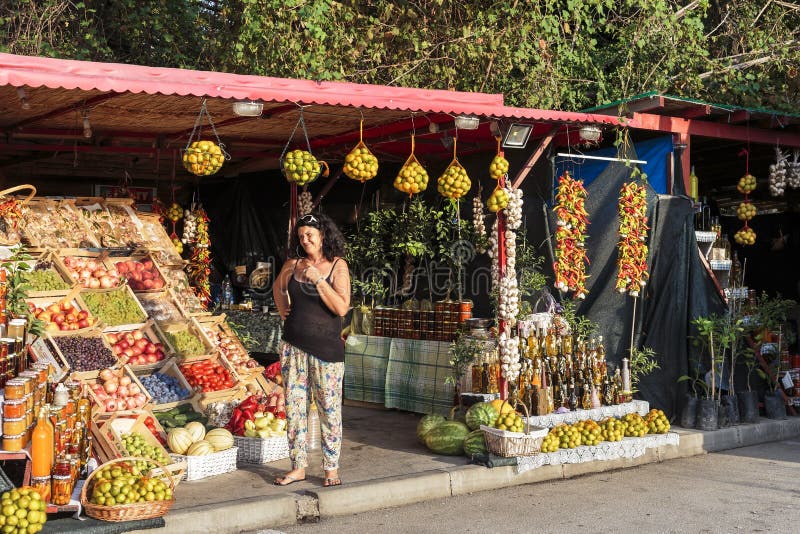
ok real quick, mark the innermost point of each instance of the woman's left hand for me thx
(311, 273)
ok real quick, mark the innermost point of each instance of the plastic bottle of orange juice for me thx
(42, 445)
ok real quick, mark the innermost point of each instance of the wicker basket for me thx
(508, 444)
(209, 465)
(261, 451)
(125, 512)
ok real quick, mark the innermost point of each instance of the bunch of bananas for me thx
(412, 178)
(203, 158)
(498, 200)
(498, 167)
(174, 212)
(301, 167)
(454, 182)
(747, 184)
(360, 164)
(746, 211)
(745, 236)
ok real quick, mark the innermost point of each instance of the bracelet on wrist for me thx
(320, 279)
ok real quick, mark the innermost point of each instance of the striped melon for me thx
(220, 439)
(200, 448)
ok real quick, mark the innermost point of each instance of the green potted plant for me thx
(748, 400)
(464, 351)
(713, 338)
(774, 405)
(642, 362)
(698, 388)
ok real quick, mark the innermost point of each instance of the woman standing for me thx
(312, 293)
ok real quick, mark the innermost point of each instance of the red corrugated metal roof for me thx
(116, 77)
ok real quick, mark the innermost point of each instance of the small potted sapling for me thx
(698, 387)
(748, 400)
(774, 406)
(709, 334)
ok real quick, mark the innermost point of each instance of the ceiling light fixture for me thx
(466, 122)
(87, 126)
(22, 93)
(590, 133)
(248, 108)
(517, 136)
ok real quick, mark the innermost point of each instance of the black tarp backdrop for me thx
(679, 288)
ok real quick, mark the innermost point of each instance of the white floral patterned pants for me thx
(304, 374)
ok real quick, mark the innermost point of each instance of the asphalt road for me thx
(752, 489)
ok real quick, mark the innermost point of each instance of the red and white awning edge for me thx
(34, 71)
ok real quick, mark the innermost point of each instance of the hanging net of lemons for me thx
(498, 167)
(360, 164)
(203, 158)
(498, 200)
(412, 178)
(300, 167)
(454, 182)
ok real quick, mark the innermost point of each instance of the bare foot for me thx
(295, 475)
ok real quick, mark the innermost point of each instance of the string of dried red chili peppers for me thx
(572, 220)
(199, 267)
(632, 273)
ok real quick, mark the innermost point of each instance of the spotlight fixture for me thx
(248, 108)
(87, 126)
(22, 93)
(466, 122)
(517, 136)
(590, 133)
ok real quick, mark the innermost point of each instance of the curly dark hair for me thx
(333, 243)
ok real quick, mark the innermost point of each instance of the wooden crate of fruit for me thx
(81, 354)
(187, 339)
(170, 369)
(161, 307)
(229, 346)
(41, 351)
(89, 271)
(116, 308)
(155, 238)
(204, 377)
(188, 302)
(116, 390)
(64, 315)
(109, 443)
(140, 347)
(47, 276)
(49, 223)
(143, 273)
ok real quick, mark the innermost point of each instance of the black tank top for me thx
(311, 326)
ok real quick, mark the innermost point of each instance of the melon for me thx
(475, 443)
(428, 423)
(220, 439)
(481, 413)
(196, 429)
(200, 448)
(179, 440)
(447, 438)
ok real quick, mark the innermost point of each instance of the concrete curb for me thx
(232, 516)
(271, 512)
(382, 493)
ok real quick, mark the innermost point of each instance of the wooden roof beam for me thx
(653, 103)
(663, 123)
(86, 103)
(698, 111)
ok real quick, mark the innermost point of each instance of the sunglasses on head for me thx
(306, 219)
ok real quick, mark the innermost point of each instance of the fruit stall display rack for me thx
(170, 368)
(115, 225)
(152, 334)
(595, 414)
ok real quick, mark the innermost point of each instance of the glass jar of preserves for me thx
(15, 389)
(29, 401)
(41, 485)
(13, 408)
(14, 443)
(14, 426)
(61, 486)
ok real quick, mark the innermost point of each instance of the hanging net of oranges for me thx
(203, 157)
(360, 163)
(300, 166)
(412, 178)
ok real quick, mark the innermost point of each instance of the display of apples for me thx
(62, 316)
(91, 273)
(134, 348)
(142, 275)
(115, 391)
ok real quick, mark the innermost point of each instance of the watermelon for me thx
(481, 413)
(428, 423)
(475, 443)
(447, 438)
